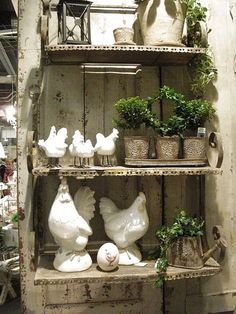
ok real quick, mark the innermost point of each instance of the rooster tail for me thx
(84, 202)
(100, 138)
(41, 143)
(107, 207)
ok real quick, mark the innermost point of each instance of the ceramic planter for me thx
(162, 22)
(186, 252)
(167, 147)
(194, 148)
(124, 36)
(136, 147)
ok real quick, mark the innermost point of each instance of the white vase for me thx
(162, 22)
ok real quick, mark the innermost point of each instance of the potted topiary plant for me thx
(194, 113)
(180, 244)
(134, 114)
(168, 140)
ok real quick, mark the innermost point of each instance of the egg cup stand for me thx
(68, 261)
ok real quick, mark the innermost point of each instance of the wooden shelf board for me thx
(124, 171)
(145, 55)
(47, 275)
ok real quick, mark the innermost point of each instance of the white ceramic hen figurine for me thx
(126, 226)
(105, 147)
(55, 146)
(81, 149)
(69, 224)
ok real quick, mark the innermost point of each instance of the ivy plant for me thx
(183, 226)
(203, 72)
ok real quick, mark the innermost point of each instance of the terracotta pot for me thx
(136, 147)
(162, 22)
(124, 35)
(167, 147)
(186, 252)
(194, 148)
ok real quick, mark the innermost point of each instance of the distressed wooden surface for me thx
(83, 173)
(219, 293)
(47, 275)
(149, 55)
(70, 97)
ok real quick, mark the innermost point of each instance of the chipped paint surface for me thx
(81, 99)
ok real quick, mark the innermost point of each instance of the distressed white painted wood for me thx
(29, 55)
(84, 99)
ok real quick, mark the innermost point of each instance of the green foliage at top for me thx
(15, 217)
(133, 112)
(203, 68)
(183, 226)
(195, 13)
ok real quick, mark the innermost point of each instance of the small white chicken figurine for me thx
(81, 149)
(69, 224)
(126, 226)
(105, 147)
(54, 146)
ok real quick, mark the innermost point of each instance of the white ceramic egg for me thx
(108, 256)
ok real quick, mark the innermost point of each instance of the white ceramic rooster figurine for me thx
(81, 149)
(54, 146)
(69, 224)
(105, 147)
(126, 226)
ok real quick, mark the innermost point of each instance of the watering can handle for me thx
(221, 244)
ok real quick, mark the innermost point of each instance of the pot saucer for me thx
(128, 43)
(167, 44)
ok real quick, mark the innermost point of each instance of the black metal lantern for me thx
(74, 22)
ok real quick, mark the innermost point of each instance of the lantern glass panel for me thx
(74, 22)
